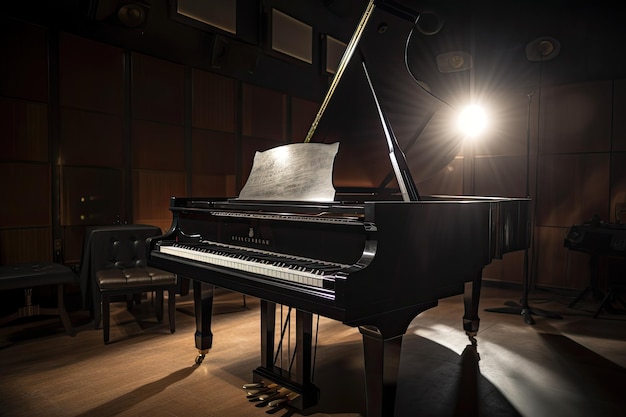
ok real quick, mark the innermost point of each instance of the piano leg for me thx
(471, 298)
(382, 360)
(382, 344)
(203, 308)
(268, 325)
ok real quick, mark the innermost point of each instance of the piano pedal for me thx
(260, 391)
(263, 396)
(281, 402)
(256, 389)
(274, 398)
(253, 385)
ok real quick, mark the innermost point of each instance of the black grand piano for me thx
(372, 255)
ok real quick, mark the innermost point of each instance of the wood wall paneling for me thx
(151, 195)
(264, 113)
(618, 188)
(23, 245)
(158, 146)
(28, 197)
(619, 121)
(204, 185)
(73, 238)
(157, 90)
(576, 118)
(448, 181)
(213, 152)
(91, 75)
(303, 114)
(24, 63)
(503, 176)
(557, 266)
(509, 269)
(24, 131)
(572, 189)
(91, 139)
(91, 196)
(213, 102)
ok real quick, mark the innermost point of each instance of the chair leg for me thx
(159, 305)
(171, 309)
(106, 316)
(97, 308)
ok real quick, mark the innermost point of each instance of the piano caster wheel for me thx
(199, 359)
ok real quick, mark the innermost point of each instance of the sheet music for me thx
(294, 172)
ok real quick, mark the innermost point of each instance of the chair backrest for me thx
(119, 246)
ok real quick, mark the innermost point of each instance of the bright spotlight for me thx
(472, 121)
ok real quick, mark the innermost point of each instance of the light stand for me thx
(523, 307)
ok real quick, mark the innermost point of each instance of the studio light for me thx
(472, 121)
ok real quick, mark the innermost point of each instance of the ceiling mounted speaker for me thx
(132, 15)
(454, 61)
(542, 49)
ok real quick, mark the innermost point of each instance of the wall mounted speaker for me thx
(132, 14)
(230, 55)
(454, 61)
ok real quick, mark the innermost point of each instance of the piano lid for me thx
(423, 125)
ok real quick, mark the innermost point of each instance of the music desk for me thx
(28, 276)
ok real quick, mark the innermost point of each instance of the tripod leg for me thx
(605, 303)
(579, 297)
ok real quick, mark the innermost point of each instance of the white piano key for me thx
(260, 265)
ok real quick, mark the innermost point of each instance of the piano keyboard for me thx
(276, 265)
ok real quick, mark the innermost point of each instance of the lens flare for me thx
(472, 121)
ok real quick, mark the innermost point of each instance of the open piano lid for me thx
(423, 125)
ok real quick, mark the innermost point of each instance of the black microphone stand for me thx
(523, 307)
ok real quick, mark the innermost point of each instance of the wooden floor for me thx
(569, 367)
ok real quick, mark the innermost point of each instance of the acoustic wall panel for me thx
(619, 123)
(24, 63)
(151, 195)
(576, 118)
(572, 189)
(24, 130)
(91, 139)
(501, 176)
(157, 89)
(91, 196)
(204, 185)
(213, 152)
(448, 181)
(303, 113)
(558, 267)
(213, 101)
(158, 146)
(264, 113)
(27, 188)
(617, 203)
(91, 75)
(25, 245)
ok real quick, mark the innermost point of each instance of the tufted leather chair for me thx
(114, 264)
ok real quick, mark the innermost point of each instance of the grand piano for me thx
(369, 251)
